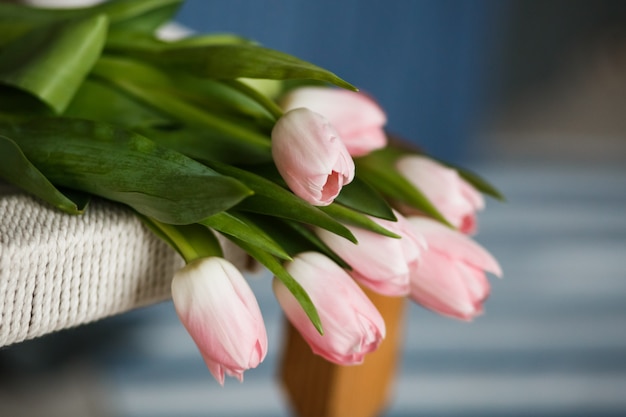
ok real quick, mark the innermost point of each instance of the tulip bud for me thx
(352, 325)
(378, 262)
(450, 279)
(454, 197)
(358, 119)
(310, 156)
(219, 310)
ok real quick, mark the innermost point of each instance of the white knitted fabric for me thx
(59, 270)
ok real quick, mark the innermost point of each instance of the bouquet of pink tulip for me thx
(215, 134)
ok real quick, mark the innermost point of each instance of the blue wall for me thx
(426, 61)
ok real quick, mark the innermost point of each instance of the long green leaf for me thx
(281, 273)
(273, 200)
(11, 30)
(204, 144)
(125, 39)
(18, 170)
(202, 95)
(359, 196)
(49, 62)
(52, 61)
(296, 238)
(242, 228)
(124, 74)
(96, 100)
(18, 19)
(123, 166)
(231, 61)
(187, 113)
(349, 216)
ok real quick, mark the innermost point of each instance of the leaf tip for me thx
(318, 326)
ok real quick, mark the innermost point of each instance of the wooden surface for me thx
(315, 387)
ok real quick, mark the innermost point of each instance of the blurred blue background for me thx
(531, 95)
(429, 63)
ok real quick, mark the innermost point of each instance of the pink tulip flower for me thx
(378, 262)
(358, 119)
(450, 279)
(219, 310)
(310, 156)
(454, 197)
(352, 325)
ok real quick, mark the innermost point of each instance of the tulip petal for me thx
(454, 197)
(458, 245)
(356, 116)
(438, 285)
(360, 143)
(310, 156)
(354, 109)
(219, 310)
(379, 262)
(352, 325)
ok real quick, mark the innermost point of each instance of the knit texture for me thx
(59, 270)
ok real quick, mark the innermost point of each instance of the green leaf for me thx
(231, 61)
(242, 228)
(52, 61)
(297, 238)
(379, 170)
(19, 19)
(187, 113)
(217, 97)
(137, 15)
(11, 30)
(18, 170)
(112, 68)
(273, 200)
(205, 39)
(142, 15)
(123, 166)
(20, 103)
(359, 196)
(204, 144)
(191, 241)
(96, 100)
(82, 199)
(153, 90)
(281, 273)
(355, 218)
(121, 40)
